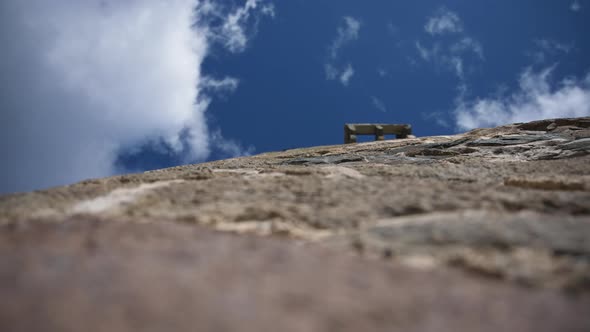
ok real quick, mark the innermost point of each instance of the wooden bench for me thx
(351, 130)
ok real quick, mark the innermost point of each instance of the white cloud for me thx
(233, 29)
(233, 32)
(83, 79)
(451, 55)
(346, 75)
(444, 21)
(546, 49)
(467, 44)
(226, 84)
(554, 46)
(269, 9)
(347, 33)
(424, 53)
(536, 99)
(378, 104)
(575, 6)
(343, 75)
(440, 118)
(457, 64)
(229, 148)
(331, 71)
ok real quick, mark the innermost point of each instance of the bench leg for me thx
(379, 135)
(349, 134)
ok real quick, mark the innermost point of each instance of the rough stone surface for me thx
(487, 230)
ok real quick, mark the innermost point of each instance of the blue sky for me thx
(96, 88)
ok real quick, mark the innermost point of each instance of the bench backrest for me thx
(377, 129)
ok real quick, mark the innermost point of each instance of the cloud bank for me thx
(83, 79)
(536, 99)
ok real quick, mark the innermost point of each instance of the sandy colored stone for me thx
(108, 275)
(487, 230)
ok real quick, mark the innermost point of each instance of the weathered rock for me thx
(108, 275)
(578, 145)
(338, 159)
(511, 140)
(488, 230)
